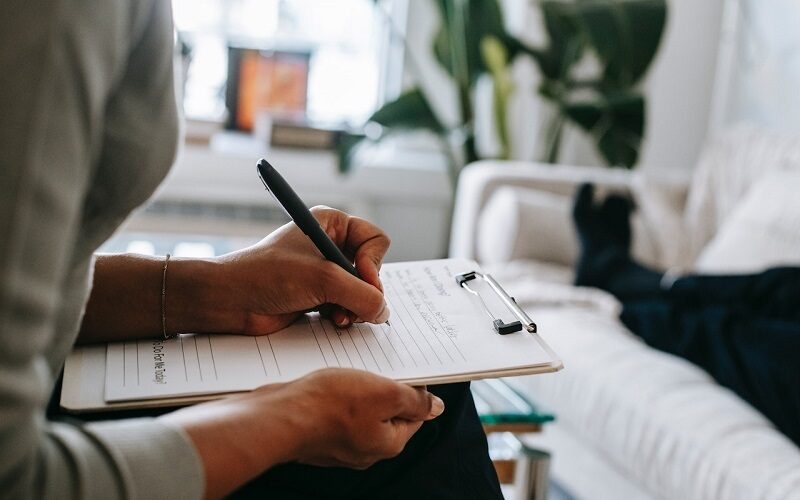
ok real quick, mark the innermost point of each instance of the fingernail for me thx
(342, 320)
(383, 317)
(437, 406)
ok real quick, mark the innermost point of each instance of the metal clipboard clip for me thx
(500, 326)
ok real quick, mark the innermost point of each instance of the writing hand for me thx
(265, 287)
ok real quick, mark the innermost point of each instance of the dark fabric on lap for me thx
(447, 458)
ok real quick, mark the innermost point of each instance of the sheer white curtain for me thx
(759, 78)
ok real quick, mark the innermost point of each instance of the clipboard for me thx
(474, 302)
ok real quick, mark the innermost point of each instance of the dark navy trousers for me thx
(744, 330)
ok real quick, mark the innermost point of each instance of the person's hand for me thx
(353, 418)
(333, 417)
(265, 287)
(358, 418)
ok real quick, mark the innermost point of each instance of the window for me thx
(349, 41)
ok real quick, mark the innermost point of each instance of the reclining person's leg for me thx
(754, 356)
(774, 293)
(744, 330)
(604, 233)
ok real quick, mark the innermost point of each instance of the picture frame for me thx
(259, 80)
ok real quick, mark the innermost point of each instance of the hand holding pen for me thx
(310, 226)
(266, 287)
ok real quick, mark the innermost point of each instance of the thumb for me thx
(343, 289)
(418, 404)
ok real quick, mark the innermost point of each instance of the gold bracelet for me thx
(164, 301)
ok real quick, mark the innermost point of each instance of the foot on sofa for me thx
(604, 233)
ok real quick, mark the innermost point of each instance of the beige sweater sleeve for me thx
(62, 63)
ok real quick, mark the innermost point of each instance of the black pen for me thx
(301, 216)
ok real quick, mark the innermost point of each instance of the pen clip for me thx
(266, 186)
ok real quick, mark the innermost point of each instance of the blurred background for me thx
(463, 127)
(713, 64)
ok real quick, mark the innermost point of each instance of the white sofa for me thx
(633, 422)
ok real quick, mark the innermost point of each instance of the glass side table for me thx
(506, 415)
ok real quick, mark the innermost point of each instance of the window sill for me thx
(406, 192)
(224, 171)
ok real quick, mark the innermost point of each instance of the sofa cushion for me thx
(523, 223)
(658, 417)
(519, 223)
(762, 231)
(660, 198)
(731, 164)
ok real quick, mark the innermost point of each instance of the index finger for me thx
(359, 238)
(368, 244)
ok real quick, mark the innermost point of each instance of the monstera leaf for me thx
(616, 122)
(624, 34)
(566, 45)
(409, 111)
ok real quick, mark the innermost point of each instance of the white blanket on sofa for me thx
(660, 418)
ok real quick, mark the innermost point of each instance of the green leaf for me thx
(346, 146)
(515, 47)
(457, 45)
(410, 110)
(584, 114)
(646, 26)
(495, 57)
(625, 35)
(566, 43)
(616, 122)
(484, 19)
(442, 50)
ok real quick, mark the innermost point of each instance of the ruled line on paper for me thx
(183, 354)
(261, 356)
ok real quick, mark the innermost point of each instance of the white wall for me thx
(759, 80)
(681, 83)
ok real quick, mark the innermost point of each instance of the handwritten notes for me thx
(438, 330)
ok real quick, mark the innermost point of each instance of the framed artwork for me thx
(265, 80)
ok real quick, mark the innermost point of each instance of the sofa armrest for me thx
(480, 180)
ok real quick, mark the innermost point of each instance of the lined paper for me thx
(437, 329)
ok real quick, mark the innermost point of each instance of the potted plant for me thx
(620, 36)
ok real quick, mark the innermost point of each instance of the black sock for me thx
(604, 235)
